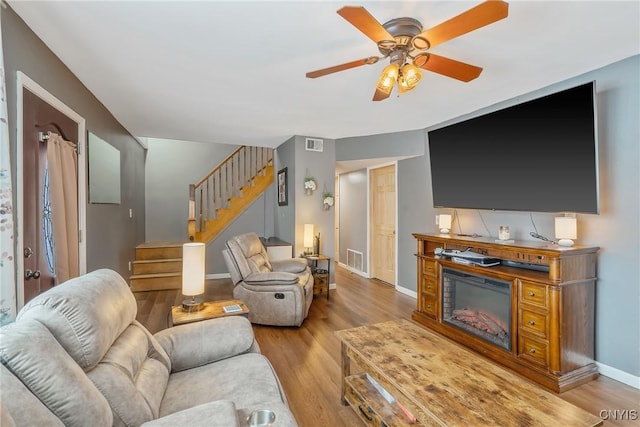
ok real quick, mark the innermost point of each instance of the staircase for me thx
(218, 198)
(214, 202)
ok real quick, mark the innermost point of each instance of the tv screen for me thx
(538, 156)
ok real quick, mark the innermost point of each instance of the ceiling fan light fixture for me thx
(410, 76)
(388, 78)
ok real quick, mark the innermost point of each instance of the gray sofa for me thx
(278, 293)
(76, 356)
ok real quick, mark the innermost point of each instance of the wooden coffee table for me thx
(441, 383)
(211, 310)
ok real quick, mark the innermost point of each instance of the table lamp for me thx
(193, 275)
(566, 230)
(444, 222)
(308, 238)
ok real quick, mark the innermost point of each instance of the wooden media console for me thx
(552, 303)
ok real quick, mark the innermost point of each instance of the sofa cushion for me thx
(247, 380)
(196, 344)
(221, 413)
(86, 320)
(33, 355)
(249, 254)
(132, 376)
(18, 406)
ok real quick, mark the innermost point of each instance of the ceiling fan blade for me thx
(342, 67)
(451, 68)
(360, 18)
(484, 14)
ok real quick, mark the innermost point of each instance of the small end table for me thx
(211, 310)
(320, 276)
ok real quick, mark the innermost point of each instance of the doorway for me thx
(38, 113)
(382, 223)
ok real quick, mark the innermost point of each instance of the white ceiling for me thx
(234, 71)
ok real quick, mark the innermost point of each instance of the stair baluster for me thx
(227, 190)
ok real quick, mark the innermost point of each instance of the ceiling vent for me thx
(314, 144)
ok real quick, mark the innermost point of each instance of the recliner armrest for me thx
(199, 343)
(292, 265)
(272, 278)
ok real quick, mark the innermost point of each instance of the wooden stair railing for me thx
(225, 192)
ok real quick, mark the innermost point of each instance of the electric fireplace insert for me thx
(478, 305)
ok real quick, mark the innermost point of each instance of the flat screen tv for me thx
(537, 156)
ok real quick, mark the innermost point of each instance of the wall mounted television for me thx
(538, 156)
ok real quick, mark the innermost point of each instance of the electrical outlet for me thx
(437, 219)
(130, 213)
(129, 266)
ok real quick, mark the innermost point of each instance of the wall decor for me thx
(104, 171)
(309, 185)
(327, 200)
(283, 198)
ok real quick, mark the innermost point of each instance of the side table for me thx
(320, 276)
(211, 310)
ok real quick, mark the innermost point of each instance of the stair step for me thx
(159, 250)
(155, 282)
(153, 266)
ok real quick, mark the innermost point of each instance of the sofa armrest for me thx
(199, 343)
(292, 265)
(217, 413)
(272, 278)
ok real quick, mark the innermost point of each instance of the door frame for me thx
(369, 209)
(24, 82)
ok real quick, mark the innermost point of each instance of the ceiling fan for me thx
(407, 46)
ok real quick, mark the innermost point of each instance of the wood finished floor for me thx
(307, 359)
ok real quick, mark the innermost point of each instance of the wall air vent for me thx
(314, 144)
(354, 259)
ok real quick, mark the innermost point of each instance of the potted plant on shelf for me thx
(327, 200)
(309, 186)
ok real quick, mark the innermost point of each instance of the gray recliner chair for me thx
(277, 293)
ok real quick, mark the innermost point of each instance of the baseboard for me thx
(618, 375)
(353, 270)
(408, 292)
(218, 276)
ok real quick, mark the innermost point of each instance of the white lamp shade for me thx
(566, 227)
(444, 222)
(308, 236)
(193, 268)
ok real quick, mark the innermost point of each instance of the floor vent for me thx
(354, 259)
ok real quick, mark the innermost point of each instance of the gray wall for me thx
(398, 144)
(615, 230)
(24, 51)
(285, 216)
(303, 209)
(415, 214)
(171, 166)
(353, 208)
(321, 166)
